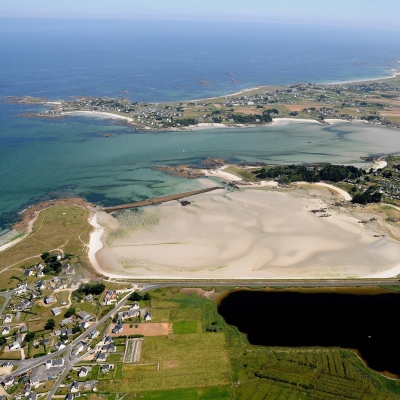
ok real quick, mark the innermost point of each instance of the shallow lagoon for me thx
(49, 159)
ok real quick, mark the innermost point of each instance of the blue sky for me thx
(382, 13)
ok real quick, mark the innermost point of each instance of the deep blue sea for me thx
(165, 61)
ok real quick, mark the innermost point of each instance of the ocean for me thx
(167, 61)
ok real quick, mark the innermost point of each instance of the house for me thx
(55, 311)
(60, 286)
(134, 306)
(75, 387)
(128, 314)
(109, 348)
(7, 318)
(23, 328)
(89, 386)
(105, 368)
(25, 303)
(59, 345)
(66, 332)
(40, 285)
(46, 342)
(100, 356)
(147, 316)
(89, 297)
(14, 345)
(84, 325)
(55, 279)
(63, 302)
(40, 274)
(28, 272)
(48, 300)
(79, 347)
(34, 294)
(42, 374)
(108, 340)
(38, 266)
(8, 381)
(59, 362)
(83, 372)
(110, 297)
(69, 396)
(66, 321)
(118, 328)
(93, 334)
(84, 316)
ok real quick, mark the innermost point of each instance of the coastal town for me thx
(375, 102)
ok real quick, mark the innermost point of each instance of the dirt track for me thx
(145, 328)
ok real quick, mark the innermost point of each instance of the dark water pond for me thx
(355, 320)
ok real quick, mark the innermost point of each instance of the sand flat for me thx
(247, 234)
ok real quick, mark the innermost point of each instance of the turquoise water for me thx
(165, 61)
(70, 157)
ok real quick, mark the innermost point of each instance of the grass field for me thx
(58, 227)
(242, 173)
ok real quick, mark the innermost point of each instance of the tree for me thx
(2, 341)
(147, 296)
(71, 311)
(29, 337)
(50, 324)
(135, 296)
(45, 256)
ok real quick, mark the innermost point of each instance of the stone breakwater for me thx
(158, 200)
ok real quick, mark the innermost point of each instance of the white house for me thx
(75, 387)
(59, 362)
(55, 311)
(7, 319)
(5, 330)
(83, 371)
(59, 345)
(8, 381)
(147, 316)
(48, 300)
(14, 345)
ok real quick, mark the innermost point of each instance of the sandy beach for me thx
(250, 234)
(95, 243)
(98, 114)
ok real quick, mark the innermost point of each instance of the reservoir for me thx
(362, 320)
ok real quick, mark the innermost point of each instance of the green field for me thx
(63, 228)
(192, 363)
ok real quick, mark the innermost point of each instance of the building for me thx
(83, 372)
(5, 330)
(147, 316)
(59, 345)
(75, 387)
(105, 368)
(14, 345)
(93, 334)
(110, 297)
(7, 318)
(109, 348)
(8, 381)
(55, 311)
(84, 316)
(100, 356)
(40, 285)
(66, 321)
(28, 272)
(118, 328)
(59, 362)
(132, 313)
(42, 374)
(48, 300)
(84, 324)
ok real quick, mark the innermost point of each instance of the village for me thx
(369, 102)
(55, 327)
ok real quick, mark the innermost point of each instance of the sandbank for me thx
(249, 234)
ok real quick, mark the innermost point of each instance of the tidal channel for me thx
(359, 319)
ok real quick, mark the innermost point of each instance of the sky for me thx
(381, 14)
